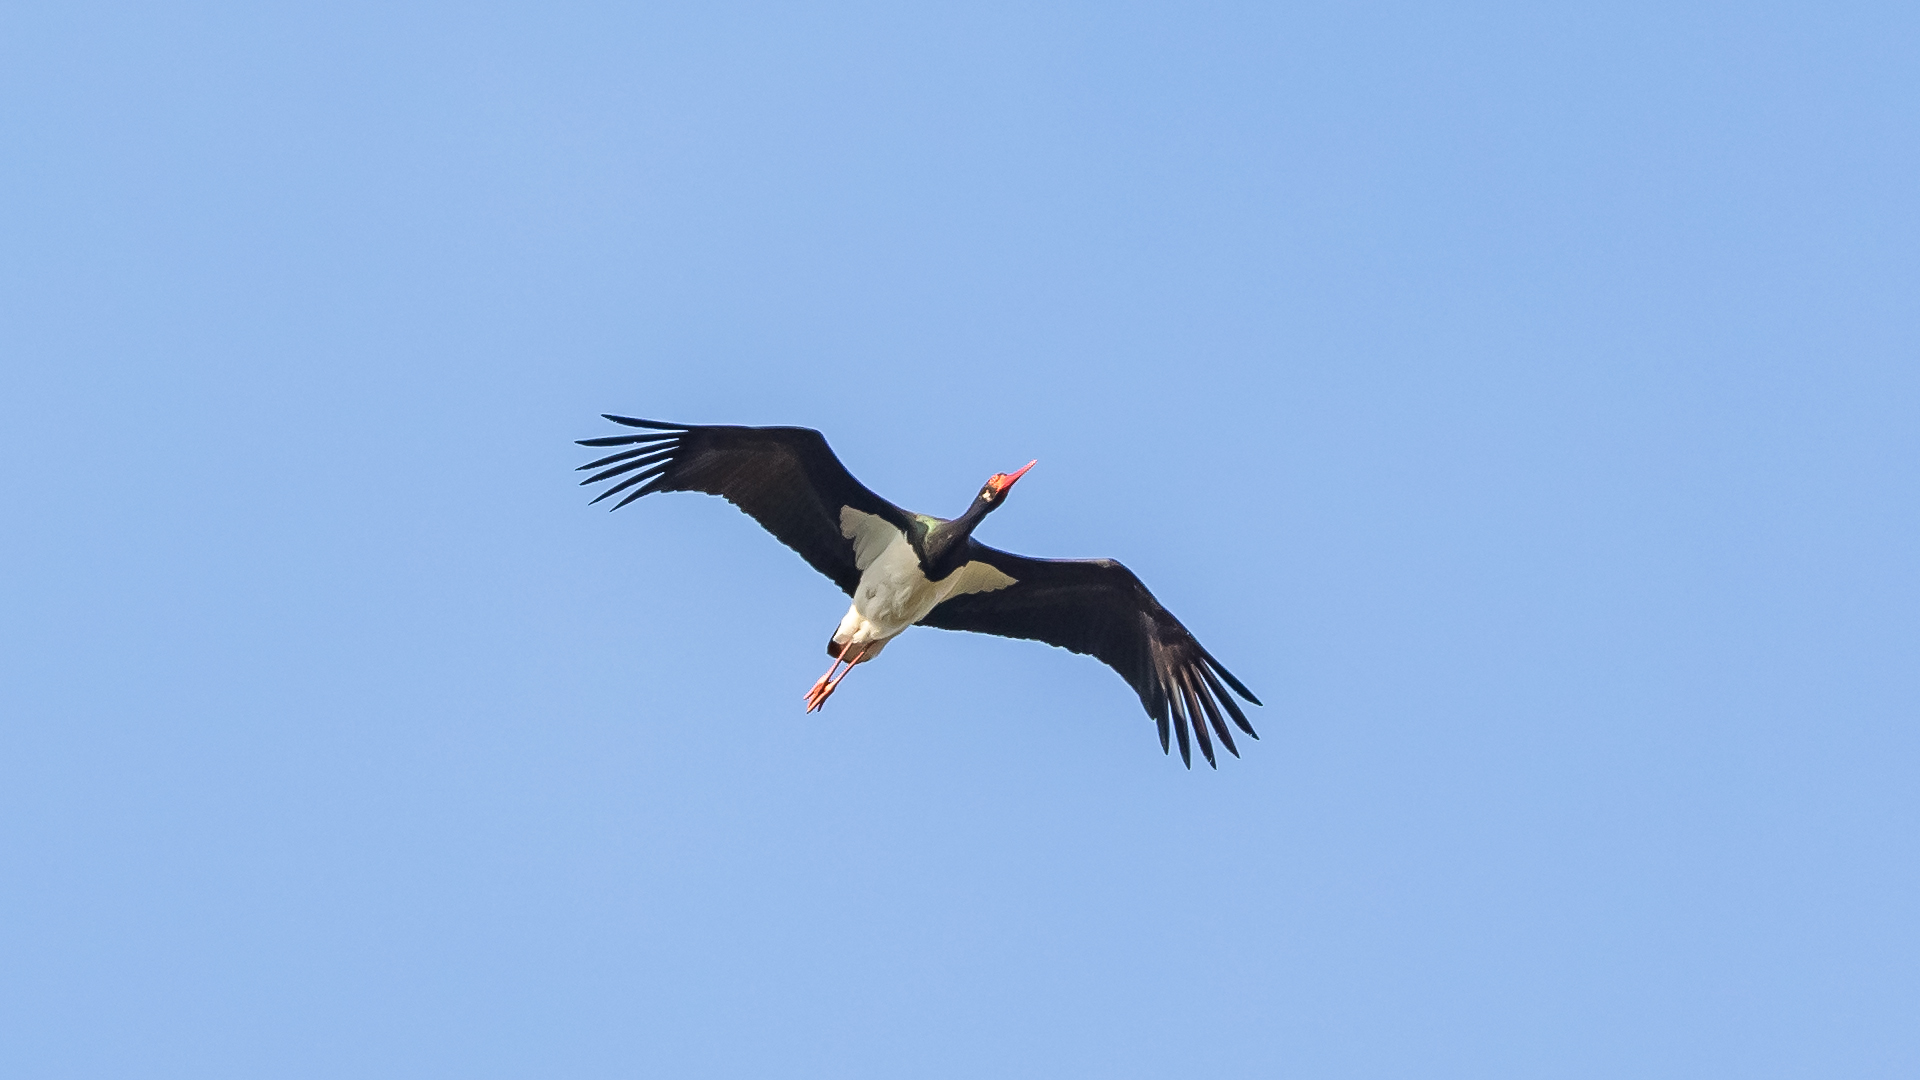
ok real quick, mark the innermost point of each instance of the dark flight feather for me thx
(786, 478)
(1098, 607)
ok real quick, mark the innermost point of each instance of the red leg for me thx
(825, 688)
(823, 680)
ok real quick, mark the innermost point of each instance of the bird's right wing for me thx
(1098, 607)
(786, 478)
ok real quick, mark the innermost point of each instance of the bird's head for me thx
(1000, 483)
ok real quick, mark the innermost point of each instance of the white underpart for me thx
(893, 593)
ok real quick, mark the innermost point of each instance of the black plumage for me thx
(785, 478)
(1099, 608)
(789, 480)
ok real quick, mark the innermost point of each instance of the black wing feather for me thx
(786, 478)
(1098, 607)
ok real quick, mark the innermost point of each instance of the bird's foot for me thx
(817, 696)
(824, 689)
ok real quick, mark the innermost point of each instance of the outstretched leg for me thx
(824, 689)
(821, 682)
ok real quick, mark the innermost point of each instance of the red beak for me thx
(1007, 481)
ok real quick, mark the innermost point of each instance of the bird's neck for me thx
(945, 545)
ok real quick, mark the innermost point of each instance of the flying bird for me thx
(903, 569)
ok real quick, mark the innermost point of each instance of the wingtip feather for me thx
(640, 450)
(628, 466)
(629, 440)
(654, 425)
(1226, 699)
(1238, 686)
(1199, 722)
(655, 485)
(636, 478)
(1199, 689)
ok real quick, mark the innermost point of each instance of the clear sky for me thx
(1521, 400)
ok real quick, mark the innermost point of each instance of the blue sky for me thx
(1521, 401)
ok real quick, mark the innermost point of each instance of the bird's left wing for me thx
(786, 478)
(1098, 607)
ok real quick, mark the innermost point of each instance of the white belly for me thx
(893, 593)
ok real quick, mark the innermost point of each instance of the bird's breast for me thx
(894, 592)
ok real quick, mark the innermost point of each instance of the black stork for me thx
(903, 568)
